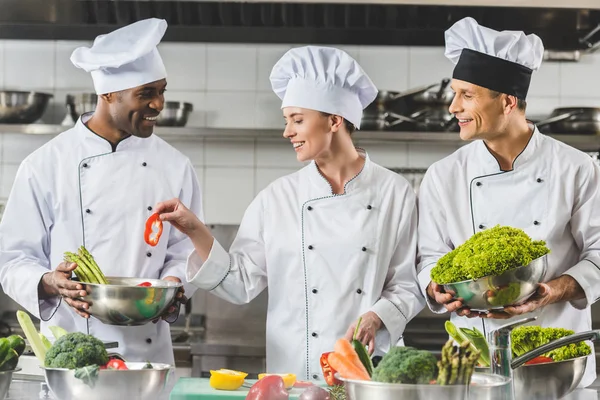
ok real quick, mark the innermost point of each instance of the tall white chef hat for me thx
(323, 79)
(501, 61)
(124, 58)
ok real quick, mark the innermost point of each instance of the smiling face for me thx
(135, 111)
(480, 115)
(309, 131)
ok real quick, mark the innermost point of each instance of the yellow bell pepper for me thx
(288, 379)
(226, 379)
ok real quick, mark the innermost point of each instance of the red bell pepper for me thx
(328, 371)
(270, 387)
(144, 284)
(153, 224)
(539, 360)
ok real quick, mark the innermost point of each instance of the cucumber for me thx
(361, 351)
(17, 343)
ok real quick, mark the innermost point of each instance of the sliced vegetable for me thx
(362, 351)
(144, 284)
(116, 364)
(154, 228)
(328, 371)
(57, 332)
(288, 379)
(269, 388)
(226, 379)
(32, 335)
(539, 360)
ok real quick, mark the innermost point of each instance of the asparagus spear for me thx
(463, 355)
(81, 271)
(89, 261)
(454, 369)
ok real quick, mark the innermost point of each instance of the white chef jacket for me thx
(326, 259)
(552, 193)
(75, 190)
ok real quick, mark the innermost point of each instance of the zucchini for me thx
(361, 351)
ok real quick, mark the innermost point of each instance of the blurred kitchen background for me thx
(218, 57)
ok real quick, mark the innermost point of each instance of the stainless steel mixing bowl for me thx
(18, 107)
(174, 113)
(495, 292)
(548, 381)
(5, 380)
(122, 302)
(81, 103)
(134, 383)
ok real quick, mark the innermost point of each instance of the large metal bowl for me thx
(134, 383)
(5, 380)
(122, 302)
(174, 113)
(81, 103)
(495, 292)
(548, 381)
(483, 387)
(22, 107)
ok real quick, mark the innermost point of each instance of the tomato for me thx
(116, 364)
(539, 360)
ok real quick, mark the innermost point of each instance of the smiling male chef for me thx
(511, 175)
(95, 185)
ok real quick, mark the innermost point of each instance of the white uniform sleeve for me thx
(180, 246)
(585, 228)
(25, 243)
(401, 299)
(240, 275)
(433, 235)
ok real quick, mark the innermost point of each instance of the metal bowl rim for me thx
(502, 381)
(557, 362)
(161, 367)
(10, 371)
(493, 276)
(171, 284)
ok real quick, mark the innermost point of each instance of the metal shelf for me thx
(582, 142)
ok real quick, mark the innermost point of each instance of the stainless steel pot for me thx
(572, 120)
(18, 107)
(81, 103)
(430, 95)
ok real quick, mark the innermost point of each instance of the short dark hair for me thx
(349, 125)
(521, 104)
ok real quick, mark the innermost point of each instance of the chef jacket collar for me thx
(361, 179)
(490, 163)
(93, 137)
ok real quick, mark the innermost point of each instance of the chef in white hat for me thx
(511, 174)
(95, 185)
(333, 242)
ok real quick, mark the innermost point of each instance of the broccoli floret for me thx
(76, 350)
(488, 253)
(406, 365)
(526, 338)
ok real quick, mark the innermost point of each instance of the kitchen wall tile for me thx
(2, 67)
(545, 81)
(580, 101)
(197, 118)
(231, 67)
(230, 110)
(391, 155)
(229, 153)
(579, 79)
(69, 76)
(15, 147)
(353, 51)
(268, 111)
(9, 172)
(268, 55)
(541, 107)
(185, 64)
(227, 194)
(428, 65)
(423, 155)
(29, 65)
(264, 176)
(193, 148)
(274, 154)
(386, 66)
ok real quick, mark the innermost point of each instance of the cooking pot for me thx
(572, 120)
(429, 95)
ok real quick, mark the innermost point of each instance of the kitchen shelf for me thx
(582, 142)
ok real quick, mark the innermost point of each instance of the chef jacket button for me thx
(315, 291)
(315, 376)
(364, 249)
(310, 247)
(539, 180)
(149, 208)
(369, 207)
(478, 183)
(144, 164)
(148, 340)
(314, 334)
(88, 211)
(309, 208)
(536, 222)
(148, 254)
(85, 165)
(359, 291)
(481, 226)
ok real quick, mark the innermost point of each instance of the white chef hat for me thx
(501, 61)
(124, 58)
(323, 79)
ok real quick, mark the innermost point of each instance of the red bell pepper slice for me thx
(153, 224)
(539, 360)
(328, 371)
(144, 284)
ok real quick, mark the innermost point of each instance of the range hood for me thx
(572, 25)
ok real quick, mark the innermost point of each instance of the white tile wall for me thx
(229, 88)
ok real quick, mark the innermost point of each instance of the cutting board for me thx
(199, 389)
